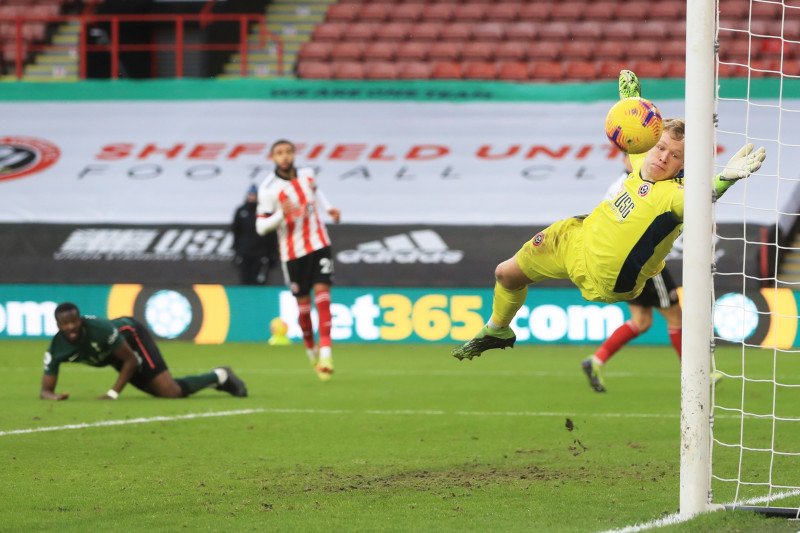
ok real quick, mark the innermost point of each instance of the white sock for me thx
(325, 353)
(597, 360)
(222, 375)
(312, 354)
(492, 324)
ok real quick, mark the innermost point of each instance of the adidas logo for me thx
(421, 246)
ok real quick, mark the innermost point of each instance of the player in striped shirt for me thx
(289, 202)
(612, 252)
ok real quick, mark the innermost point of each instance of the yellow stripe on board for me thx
(783, 318)
(216, 314)
(121, 299)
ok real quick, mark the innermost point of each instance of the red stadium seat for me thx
(666, 10)
(426, 31)
(314, 70)
(652, 30)
(444, 51)
(347, 51)
(609, 69)
(678, 30)
(644, 50)
(578, 50)
(554, 31)
(791, 30)
(394, 31)
(791, 67)
(535, 11)
(768, 11)
(348, 70)
(738, 51)
(374, 12)
(610, 50)
(676, 69)
(513, 71)
(568, 11)
(447, 70)
(411, 12)
(511, 51)
(734, 9)
(470, 12)
(342, 12)
(619, 31)
(600, 11)
(489, 31)
(329, 31)
(729, 70)
(360, 31)
(478, 51)
(379, 51)
(380, 70)
(503, 12)
(438, 12)
(588, 30)
(547, 71)
(673, 50)
(649, 69)
(521, 31)
(544, 50)
(414, 70)
(315, 51)
(480, 70)
(580, 70)
(636, 11)
(457, 31)
(412, 51)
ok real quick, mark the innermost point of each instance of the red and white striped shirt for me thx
(300, 231)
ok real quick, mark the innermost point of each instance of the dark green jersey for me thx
(99, 338)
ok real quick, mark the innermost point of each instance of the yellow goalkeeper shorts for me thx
(557, 252)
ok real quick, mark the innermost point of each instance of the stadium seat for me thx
(347, 51)
(315, 51)
(374, 12)
(676, 69)
(394, 31)
(578, 50)
(342, 12)
(478, 51)
(457, 31)
(414, 70)
(544, 51)
(609, 69)
(547, 71)
(489, 31)
(480, 70)
(652, 30)
(470, 12)
(444, 51)
(348, 70)
(360, 31)
(328, 31)
(791, 67)
(734, 9)
(379, 51)
(503, 12)
(600, 11)
(588, 30)
(635, 11)
(554, 31)
(314, 70)
(438, 12)
(380, 70)
(513, 71)
(678, 30)
(791, 29)
(643, 50)
(521, 31)
(729, 70)
(610, 50)
(535, 11)
(412, 51)
(567, 11)
(770, 48)
(511, 51)
(447, 70)
(738, 51)
(580, 70)
(649, 69)
(768, 11)
(411, 12)
(426, 31)
(672, 50)
(665, 10)
(619, 31)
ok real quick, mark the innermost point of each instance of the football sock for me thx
(621, 336)
(675, 339)
(325, 353)
(304, 319)
(322, 300)
(505, 305)
(191, 384)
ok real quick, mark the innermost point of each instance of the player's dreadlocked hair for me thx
(65, 307)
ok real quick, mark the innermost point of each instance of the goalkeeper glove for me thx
(629, 86)
(741, 165)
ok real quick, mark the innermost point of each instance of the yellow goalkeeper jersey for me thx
(627, 238)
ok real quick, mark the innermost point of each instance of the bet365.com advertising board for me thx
(216, 314)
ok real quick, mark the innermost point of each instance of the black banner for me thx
(365, 255)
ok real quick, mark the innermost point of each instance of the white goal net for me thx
(755, 406)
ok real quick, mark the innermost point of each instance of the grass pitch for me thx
(404, 438)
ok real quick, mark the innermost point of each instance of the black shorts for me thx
(659, 291)
(151, 363)
(304, 272)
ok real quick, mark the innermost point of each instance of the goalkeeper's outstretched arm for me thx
(741, 165)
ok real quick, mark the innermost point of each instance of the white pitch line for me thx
(677, 518)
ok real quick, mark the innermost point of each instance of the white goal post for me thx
(740, 439)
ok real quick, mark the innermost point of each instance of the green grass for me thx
(404, 438)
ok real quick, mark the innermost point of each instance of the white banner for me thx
(380, 162)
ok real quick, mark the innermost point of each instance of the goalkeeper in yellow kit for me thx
(610, 253)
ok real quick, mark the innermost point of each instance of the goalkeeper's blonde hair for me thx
(675, 127)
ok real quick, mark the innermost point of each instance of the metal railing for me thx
(114, 47)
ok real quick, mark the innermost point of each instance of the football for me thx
(634, 125)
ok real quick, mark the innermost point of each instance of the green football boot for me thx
(487, 339)
(629, 85)
(594, 371)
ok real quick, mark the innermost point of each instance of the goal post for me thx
(695, 457)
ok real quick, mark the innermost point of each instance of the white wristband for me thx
(112, 394)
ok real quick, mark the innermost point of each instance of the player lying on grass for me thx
(126, 345)
(610, 253)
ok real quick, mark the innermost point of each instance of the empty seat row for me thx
(511, 70)
(505, 11)
(488, 31)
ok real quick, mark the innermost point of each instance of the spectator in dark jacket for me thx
(255, 254)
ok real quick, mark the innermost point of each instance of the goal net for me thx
(754, 418)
